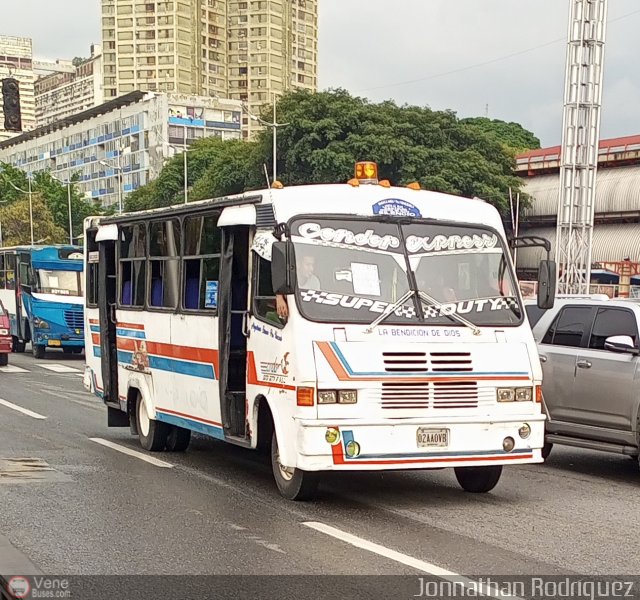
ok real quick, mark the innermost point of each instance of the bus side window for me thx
(132, 256)
(164, 254)
(201, 262)
(264, 299)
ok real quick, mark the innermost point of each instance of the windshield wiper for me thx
(432, 302)
(389, 310)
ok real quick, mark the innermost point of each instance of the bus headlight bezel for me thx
(519, 394)
(337, 396)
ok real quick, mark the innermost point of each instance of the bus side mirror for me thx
(283, 268)
(546, 284)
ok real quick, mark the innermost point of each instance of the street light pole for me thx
(184, 155)
(30, 206)
(275, 142)
(120, 181)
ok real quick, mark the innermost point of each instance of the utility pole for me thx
(580, 143)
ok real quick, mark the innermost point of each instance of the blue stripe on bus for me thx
(171, 365)
(185, 423)
(131, 333)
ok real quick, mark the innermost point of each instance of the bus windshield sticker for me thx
(366, 280)
(211, 294)
(396, 207)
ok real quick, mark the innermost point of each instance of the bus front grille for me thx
(74, 319)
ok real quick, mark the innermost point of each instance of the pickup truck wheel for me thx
(478, 480)
(293, 484)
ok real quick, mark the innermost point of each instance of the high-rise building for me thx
(245, 50)
(115, 148)
(68, 91)
(16, 61)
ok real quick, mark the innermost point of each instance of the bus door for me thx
(107, 316)
(23, 295)
(232, 315)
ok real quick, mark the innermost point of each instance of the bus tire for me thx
(546, 450)
(18, 346)
(293, 484)
(152, 433)
(478, 480)
(38, 350)
(4, 360)
(178, 439)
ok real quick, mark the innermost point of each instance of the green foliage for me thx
(78, 60)
(512, 135)
(328, 132)
(55, 196)
(16, 223)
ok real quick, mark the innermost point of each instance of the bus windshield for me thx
(351, 271)
(64, 283)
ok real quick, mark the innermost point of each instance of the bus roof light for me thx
(414, 186)
(354, 182)
(385, 183)
(367, 172)
(277, 185)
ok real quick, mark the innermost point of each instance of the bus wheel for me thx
(178, 439)
(4, 360)
(294, 484)
(18, 346)
(38, 350)
(546, 450)
(478, 480)
(152, 433)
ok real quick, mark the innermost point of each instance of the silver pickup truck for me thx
(590, 353)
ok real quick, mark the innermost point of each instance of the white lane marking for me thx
(56, 368)
(13, 369)
(24, 411)
(416, 563)
(125, 450)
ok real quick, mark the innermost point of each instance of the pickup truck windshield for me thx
(350, 271)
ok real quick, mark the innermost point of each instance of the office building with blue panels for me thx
(123, 142)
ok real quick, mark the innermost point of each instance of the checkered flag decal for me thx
(312, 295)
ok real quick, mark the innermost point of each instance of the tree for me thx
(512, 135)
(78, 60)
(14, 186)
(16, 228)
(328, 132)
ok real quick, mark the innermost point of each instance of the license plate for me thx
(54, 343)
(432, 438)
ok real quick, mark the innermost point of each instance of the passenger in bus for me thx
(306, 273)
(307, 279)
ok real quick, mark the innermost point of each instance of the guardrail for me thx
(529, 289)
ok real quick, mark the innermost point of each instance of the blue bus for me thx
(41, 288)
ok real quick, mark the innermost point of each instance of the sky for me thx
(499, 58)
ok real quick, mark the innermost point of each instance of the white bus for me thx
(405, 344)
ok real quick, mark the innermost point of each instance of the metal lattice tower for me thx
(580, 141)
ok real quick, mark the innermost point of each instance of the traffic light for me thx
(11, 104)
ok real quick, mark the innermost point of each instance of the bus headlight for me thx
(506, 394)
(327, 397)
(523, 394)
(347, 396)
(40, 324)
(4, 332)
(525, 431)
(337, 396)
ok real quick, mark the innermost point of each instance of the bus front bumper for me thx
(419, 444)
